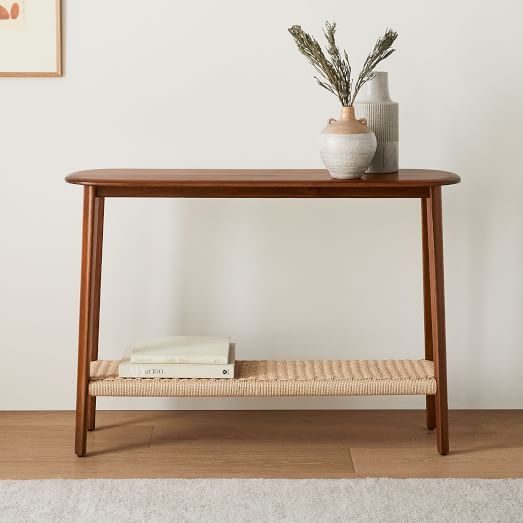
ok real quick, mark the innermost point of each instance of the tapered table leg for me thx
(87, 313)
(429, 352)
(94, 322)
(437, 303)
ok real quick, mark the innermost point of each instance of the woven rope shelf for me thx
(278, 378)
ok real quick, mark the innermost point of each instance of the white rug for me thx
(247, 500)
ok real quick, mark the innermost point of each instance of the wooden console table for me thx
(266, 378)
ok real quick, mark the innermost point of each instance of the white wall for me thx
(220, 84)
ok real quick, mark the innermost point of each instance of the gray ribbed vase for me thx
(382, 115)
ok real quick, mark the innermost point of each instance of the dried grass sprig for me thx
(335, 74)
(382, 49)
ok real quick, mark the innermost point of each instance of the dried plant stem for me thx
(335, 73)
(382, 49)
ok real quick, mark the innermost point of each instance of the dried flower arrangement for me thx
(335, 73)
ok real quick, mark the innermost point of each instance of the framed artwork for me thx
(30, 38)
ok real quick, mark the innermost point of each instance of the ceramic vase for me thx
(347, 145)
(382, 114)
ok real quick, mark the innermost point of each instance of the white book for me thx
(177, 370)
(182, 349)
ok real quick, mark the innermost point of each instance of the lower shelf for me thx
(278, 378)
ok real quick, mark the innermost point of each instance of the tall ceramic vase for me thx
(347, 145)
(382, 114)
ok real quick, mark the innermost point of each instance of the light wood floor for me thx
(290, 444)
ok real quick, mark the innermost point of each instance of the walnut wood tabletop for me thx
(258, 183)
(427, 377)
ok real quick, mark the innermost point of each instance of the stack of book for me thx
(180, 357)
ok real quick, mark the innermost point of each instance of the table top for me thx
(254, 183)
(258, 177)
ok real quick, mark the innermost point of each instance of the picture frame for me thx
(31, 38)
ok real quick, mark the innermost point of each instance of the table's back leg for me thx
(94, 322)
(87, 303)
(437, 305)
(429, 353)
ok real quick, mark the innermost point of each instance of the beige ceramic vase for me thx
(347, 145)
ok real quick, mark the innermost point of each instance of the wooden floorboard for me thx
(291, 444)
(471, 463)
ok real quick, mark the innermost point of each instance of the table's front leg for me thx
(437, 313)
(89, 312)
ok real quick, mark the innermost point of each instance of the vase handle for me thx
(363, 121)
(331, 120)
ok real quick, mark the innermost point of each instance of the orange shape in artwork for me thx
(15, 11)
(4, 15)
